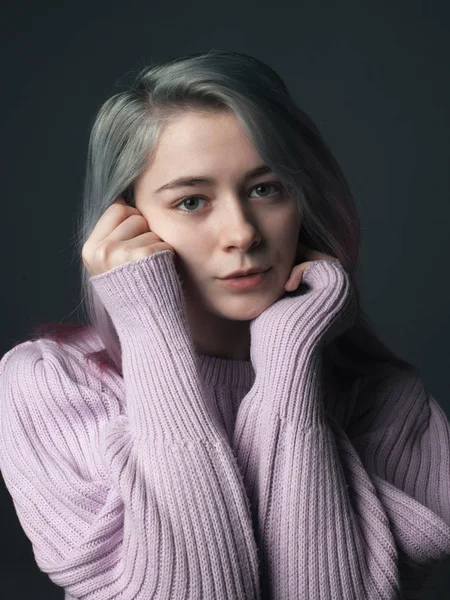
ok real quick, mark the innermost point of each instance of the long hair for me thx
(123, 141)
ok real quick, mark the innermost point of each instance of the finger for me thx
(110, 219)
(295, 277)
(131, 227)
(147, 239)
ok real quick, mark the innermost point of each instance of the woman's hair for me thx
(122, 145)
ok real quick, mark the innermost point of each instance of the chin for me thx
(244, 310)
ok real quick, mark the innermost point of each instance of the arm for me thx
(148, 503)
(323, 529)
(402, 437)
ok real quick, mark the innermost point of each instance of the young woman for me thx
(211, 436)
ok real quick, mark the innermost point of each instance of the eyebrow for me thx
(192, 180)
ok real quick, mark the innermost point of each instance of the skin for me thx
(232, 224)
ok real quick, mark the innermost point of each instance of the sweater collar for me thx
(227, 372)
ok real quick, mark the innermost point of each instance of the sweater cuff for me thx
(321, 309)
(139, 294)
(287, 340)
(165, 394)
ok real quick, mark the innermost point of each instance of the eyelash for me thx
(277, 184)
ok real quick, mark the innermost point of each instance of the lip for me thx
(247, 282)
(245, 273)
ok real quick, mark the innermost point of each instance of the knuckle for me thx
(118, 208)
(104, 249)
(86, 251)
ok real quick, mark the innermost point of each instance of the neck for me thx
(215, 336)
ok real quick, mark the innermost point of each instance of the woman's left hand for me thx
(304, 257)
(322, 309)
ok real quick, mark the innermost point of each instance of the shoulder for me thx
(64, 359)
(43, 382)
(43, 361)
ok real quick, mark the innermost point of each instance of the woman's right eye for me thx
(186, 200)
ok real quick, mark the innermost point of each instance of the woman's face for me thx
(233, 222)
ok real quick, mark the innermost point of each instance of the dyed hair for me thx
(122, 145)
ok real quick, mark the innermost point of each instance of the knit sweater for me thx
(190, 476)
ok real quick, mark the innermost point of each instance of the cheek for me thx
(183, 239)
(285, 224)
(190, 259)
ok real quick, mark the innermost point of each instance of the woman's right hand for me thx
(121, 234)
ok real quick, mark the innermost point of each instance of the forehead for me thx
(199, 141)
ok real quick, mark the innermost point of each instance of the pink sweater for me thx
(199, 477)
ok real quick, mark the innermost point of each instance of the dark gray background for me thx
(374, 76)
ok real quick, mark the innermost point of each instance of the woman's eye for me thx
(276, 185)
(269, 184)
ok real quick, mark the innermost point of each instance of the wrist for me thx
(141, 295)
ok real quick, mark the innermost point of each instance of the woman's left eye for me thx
(268, 184)
(275, 184)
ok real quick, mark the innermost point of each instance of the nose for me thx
(239, 225)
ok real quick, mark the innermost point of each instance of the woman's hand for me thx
(122, 234)
(304, 257)
(324, 307)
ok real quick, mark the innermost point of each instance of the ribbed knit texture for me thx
(198, 477)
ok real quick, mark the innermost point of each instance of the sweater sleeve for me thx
(323, 529)
(402, 436)
(147, 503)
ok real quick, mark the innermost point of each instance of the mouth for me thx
(246, 273)
(246, 282)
